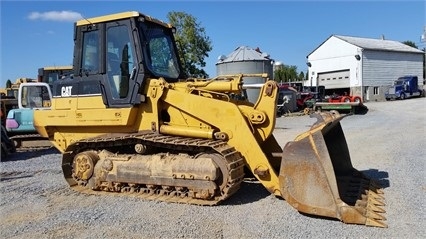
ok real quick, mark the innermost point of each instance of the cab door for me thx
(120, 66)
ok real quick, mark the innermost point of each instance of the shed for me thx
(362, 67)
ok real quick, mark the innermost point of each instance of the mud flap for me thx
(317, 177)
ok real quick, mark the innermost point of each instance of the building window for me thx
(376, 90)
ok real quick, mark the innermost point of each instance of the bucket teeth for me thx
(375, 223)
(372, 185)
(371, 212)
(373, 209)
(373, 215)
(369, 202)
(366, 197)
(376, 199)
(376, 209)
(375, 188)
(373, 198)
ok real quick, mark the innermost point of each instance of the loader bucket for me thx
(317, 177)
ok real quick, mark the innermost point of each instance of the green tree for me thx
(410, 43)
(301, 76)
(192, 41)
(8, 83)
(286, 73)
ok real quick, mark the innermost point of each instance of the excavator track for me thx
(226, 157)
(29, 142)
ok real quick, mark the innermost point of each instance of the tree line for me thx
(288, 73)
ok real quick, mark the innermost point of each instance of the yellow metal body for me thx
(199, 115)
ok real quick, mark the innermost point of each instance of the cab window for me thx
(35, 97)
(90, 57)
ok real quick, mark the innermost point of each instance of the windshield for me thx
(399, 82)
(159, 52)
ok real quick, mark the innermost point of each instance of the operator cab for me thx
(50, 74)
(115, 54)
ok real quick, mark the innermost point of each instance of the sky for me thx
(36, 33)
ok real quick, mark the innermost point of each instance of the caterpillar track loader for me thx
(129, 122)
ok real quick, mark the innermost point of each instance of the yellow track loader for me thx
(129, 121)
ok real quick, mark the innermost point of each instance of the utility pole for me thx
(423, 40)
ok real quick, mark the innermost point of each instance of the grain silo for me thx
(246, 60)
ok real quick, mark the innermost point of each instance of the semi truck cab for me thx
(405, 87)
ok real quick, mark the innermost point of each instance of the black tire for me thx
(4, 153)
(402, 96)
(357, 99)
(17, 143)
(12, 147)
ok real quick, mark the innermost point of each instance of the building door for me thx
(334, 80)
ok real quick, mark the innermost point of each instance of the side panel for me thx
(381, 68)
(20, 121)
(87, 115)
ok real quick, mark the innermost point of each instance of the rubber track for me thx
(27, 136)
(234, 161)
(32, 148)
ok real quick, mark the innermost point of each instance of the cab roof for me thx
(118, 16)
(57, 68)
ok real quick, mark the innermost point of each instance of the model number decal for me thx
(66, 90)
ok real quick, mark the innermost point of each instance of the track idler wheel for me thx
(221, 181)
(83, 166)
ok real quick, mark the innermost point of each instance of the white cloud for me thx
(62, 16)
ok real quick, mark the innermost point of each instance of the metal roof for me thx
(245, 53)
(378, 44)
(373, 44)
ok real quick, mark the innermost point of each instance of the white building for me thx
(362, 66)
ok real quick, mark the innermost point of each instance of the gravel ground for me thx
(387, 143)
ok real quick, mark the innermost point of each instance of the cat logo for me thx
(66, 91)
